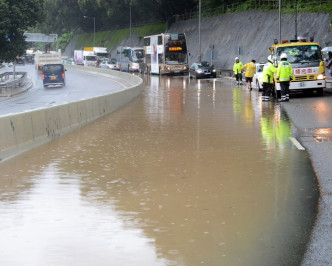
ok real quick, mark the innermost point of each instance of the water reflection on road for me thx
(190, 173)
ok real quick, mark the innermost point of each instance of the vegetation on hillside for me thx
(16, 18)
(68, 18)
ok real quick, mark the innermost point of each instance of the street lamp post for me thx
(130, 21)
(199, 29)
(94, 29)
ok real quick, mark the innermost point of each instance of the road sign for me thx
(39, 37)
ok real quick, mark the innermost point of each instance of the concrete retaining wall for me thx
(247, 34)
(23, 131)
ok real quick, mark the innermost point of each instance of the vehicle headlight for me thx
(320, 76)
(184, 67)
(199, 71)
(168, 68)
(213, 70)
(135, 65)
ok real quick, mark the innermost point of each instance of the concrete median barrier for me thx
(23, 131)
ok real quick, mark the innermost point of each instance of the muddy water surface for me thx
(190, 173)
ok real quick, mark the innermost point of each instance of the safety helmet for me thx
(283, 56)
(270, 58)
(236, 58)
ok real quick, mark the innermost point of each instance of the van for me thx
(54, 74)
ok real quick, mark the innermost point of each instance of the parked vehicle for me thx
(257, 79)
(89, 57)
(130, 59)
(166, 53)
(307, 61)
(54, 74)
(30, 58)
(78, 57)
(109, 63)
(20, 60)
(202, 70)
(68, 60)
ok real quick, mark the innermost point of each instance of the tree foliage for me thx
(16, 17)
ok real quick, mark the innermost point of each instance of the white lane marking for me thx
(297, 144)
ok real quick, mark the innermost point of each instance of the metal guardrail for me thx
(9, 81)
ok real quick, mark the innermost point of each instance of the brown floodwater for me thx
(190, 173)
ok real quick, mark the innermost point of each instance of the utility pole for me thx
(94, 29)
(199, 29)
(295, 12)
(279, 21)
(130, 21)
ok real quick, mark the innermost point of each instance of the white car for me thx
(108, 63)
(257, 79)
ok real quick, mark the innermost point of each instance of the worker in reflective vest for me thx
(237, 68)
(250, 72)
(284, 76)
(268, 76)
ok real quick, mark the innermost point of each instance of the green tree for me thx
(16, 17)
(62, 16)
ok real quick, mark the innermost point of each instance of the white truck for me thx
(78, 57)
(89, 57)
(47, 58)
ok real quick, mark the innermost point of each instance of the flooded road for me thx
(190, 173)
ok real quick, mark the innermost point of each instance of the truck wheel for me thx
(320, 92)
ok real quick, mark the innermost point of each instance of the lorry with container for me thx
(78, 57)
(100, 52)
(307, 62)
(42, 59)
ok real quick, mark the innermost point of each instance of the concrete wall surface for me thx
(251, 32)
(247, 34)
(23, 131)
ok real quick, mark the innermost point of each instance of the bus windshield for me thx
(137, 55)
(175, 49)
(301, 53)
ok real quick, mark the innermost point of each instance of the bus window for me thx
(147, 41)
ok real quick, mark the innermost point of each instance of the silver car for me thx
(108, 63)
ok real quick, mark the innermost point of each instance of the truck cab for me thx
(54, 75)
(307, 62)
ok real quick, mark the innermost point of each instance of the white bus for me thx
(130, 59)
(166, 53)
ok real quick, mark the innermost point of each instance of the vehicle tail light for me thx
(63, 75)
(43, 76)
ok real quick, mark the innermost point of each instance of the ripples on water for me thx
(190, 173)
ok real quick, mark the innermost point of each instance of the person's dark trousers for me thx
(284, 87)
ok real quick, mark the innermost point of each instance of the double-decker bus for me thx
(166, 53)
(307, 62)
(130, 59)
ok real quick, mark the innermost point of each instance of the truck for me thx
(100, 52)
(89, 57)
(47, 58)
(78, 57)
(307, 61)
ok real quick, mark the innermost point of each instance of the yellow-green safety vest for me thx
(285, 71)
(268, 71)
(237, 67)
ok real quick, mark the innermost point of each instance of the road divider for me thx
(23, 131)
